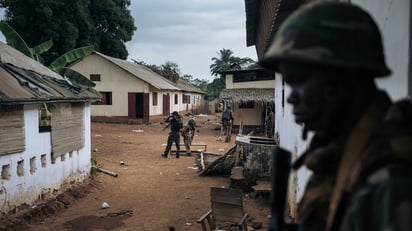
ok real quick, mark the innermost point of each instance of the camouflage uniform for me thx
(227, 122)
(174, 136)
(269, 124)
(188, 133)
(370, 169)
(362, 179)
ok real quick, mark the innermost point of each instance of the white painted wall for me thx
(290, 139)
(43, 180)
(393, 18)
(249, 116)
(113, 79)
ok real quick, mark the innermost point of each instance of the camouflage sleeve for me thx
(384, 204)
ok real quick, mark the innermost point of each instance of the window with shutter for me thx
(67, 128)
(12, 138)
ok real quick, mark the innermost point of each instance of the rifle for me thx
(281, 159)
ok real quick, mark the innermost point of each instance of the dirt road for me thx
(150, 192)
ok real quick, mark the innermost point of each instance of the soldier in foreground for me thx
(175, 124)
(330, 53)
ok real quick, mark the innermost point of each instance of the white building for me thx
(44, 130)
(133, 92)
(250, 93)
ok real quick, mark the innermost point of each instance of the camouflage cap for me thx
(332, 34)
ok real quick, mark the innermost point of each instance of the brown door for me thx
(131, 105)
(136, 105)
(166, 105)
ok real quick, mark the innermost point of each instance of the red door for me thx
(166, 105)
(131, 105)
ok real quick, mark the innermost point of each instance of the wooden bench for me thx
(193, 145)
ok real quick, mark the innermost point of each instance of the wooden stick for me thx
(105, 171)
(202, 160)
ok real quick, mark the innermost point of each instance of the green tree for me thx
(170, 70)
(105, 24)
(226, 61)
(59, 65)
(14, 39)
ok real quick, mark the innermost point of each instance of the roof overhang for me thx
(258, 95)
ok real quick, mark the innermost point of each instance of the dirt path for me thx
(150, 192)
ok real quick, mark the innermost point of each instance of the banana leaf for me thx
(14, 39)
(75, 76)
(71, 56)
(42, 47)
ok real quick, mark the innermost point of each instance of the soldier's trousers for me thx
(173, 137)
(227, 129)
(188, 141)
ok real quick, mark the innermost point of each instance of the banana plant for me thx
(13, 39)
(59, 65)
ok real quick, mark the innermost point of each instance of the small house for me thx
(44, 130)
(132, 92)
(250, 93)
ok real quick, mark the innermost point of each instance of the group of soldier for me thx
(177, 129)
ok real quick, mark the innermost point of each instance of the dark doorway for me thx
(137, 105)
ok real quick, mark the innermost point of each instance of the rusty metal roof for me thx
(24, 81)
(263, 19)
(142, 73)
(187, 87)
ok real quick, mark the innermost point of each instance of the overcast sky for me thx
(187, 32)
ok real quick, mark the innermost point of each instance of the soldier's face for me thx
(308, 96)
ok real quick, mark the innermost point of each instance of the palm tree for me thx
(222, 62)
(226, 61)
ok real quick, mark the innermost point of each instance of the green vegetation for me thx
(105, 24)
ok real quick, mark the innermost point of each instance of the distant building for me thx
(134, 93)
(44, 130)
(250, 93)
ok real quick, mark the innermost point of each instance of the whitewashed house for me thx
(132, 92)
(263, 19)
(44, 130)
(250, 93)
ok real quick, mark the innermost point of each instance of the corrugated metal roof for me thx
(24, 81)
(142, 73)
(260, 95)
(185, 86)
(10, 55)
